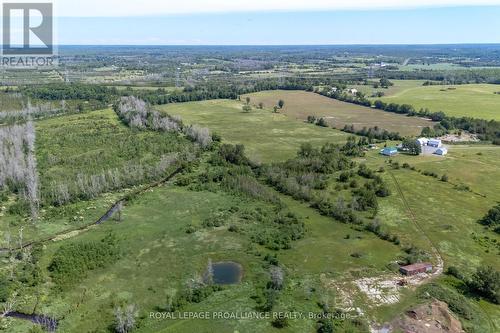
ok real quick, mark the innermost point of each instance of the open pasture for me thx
(466, 100)
(443, 211)
(300, 104)
(266, 136)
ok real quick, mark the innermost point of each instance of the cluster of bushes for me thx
(27, 273)
(298, 177)
(73, 261)
(195, 291)
(317, 121)
(373, 133)
(375, 227)
(485, 282)
(377, 185)
(338, 210)
(279, 231)
(354, 148)
(340, 95)
(492, 219)
(249, 186)
(413, 255)
(270, 292)
(231, 171)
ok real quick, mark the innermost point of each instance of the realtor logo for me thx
(36, 31)
(28, 33)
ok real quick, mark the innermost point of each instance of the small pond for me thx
(226, 272)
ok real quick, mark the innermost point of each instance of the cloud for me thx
(99, 8)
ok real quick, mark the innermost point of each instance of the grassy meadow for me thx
(87, 144)
(445, 212)
(156, 249)
(300, 104)
(164, 241)
(267, 136)
(466, 100)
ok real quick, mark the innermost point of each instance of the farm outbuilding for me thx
(441, 151)
(434, 143)
(421, 267)
(422, 141)
(389, 151)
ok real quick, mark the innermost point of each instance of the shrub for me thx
(322, 122)
(71, 262)
(280, 322)
(486, 282)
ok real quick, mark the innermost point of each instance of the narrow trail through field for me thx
(413, 217)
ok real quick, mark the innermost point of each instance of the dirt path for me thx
(439, 258)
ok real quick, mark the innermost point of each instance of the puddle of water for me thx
(226, 272)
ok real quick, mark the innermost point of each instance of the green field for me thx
(444, 212)
(159, 256)
(85, 146)
(466, 100)
(300, 104)
(157, 249)
(267, 136)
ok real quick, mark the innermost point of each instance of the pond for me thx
(48, 323)
(226, 272)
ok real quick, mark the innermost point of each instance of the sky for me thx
(276, 22)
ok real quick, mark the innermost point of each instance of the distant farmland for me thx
(470, 100)
(267, 136)
(300, 104)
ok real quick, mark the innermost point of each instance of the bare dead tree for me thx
(200, 135)
(210, 272)
(18, 162)
(277, 277)
(125, 318)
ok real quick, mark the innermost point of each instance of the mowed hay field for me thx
(301, 104)
(466, 100)
(267, 136)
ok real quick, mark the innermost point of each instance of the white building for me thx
(422, 141)
(441, 151)
(434, 143)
